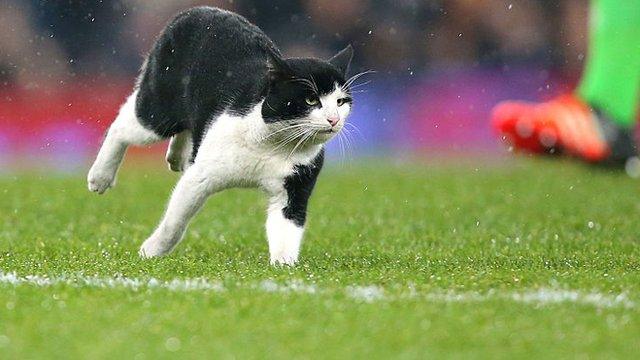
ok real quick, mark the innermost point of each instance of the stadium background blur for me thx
(66, 66)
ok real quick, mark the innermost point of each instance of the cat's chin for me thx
(322, 137)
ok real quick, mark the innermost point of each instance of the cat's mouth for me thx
(332, 130)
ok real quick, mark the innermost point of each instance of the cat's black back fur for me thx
(205, 60)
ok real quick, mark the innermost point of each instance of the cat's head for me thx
(308, 99)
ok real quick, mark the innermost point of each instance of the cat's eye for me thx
(343, 101)
(311, 101)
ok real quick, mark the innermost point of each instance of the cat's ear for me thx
(277, 67)
(342, 60)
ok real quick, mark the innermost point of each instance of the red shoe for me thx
(565, 124)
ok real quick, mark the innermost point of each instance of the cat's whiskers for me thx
(270, 107)
(308, 83)
(359, 85)
(354, 127)
(303, 139)
(347, 140)
(315, 85)
(355, 77)
(301, 134)
(281, 130)
(297, 134)
(340, 141)
(289, 138)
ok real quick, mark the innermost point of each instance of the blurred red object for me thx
(566, 123)
(30, 118)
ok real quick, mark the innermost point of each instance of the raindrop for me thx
(632, 167)
(172, 344)
(4, 340)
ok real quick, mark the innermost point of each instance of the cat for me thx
(237, 114)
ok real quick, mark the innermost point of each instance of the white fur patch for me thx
(235, 153)
(284, 237)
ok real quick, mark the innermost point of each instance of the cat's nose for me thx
(333, 120)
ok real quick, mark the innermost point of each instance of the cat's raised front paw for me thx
(99, 180)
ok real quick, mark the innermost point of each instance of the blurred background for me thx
(440, 66)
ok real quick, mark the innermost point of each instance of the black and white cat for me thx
(238, 115)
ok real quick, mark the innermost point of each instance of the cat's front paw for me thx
(100, 180)
(283, 259)
(285, 248)
(153, 248)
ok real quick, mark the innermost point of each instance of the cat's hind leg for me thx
(124, 131)
(179, 151)
(193, 188)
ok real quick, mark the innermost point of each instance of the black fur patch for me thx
(299, 187)
(300, 80)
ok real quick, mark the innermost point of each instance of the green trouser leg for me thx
(611, 80)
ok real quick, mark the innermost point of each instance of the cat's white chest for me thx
(233, 150)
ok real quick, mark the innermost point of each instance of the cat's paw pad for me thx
(100, 181)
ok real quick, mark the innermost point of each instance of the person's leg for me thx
(611, 80)
(596, 123)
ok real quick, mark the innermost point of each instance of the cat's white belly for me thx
(234, 155)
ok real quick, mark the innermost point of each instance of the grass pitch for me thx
(529, 259)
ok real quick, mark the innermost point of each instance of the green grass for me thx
(416, 232)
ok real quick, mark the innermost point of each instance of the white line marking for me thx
(295, 286)
(196, 284)
(368, 293)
